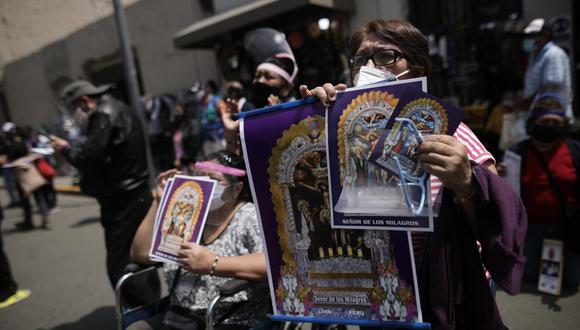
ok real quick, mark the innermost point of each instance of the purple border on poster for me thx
(358, 220)
(207, 187)
(259, 137)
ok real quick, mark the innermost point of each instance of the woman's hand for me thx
(273, 100)
(326, 93)
(227, 109)
(446, 158)
(196, 258)
(162, 182)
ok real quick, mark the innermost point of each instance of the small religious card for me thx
(551, 267)
(181, 215)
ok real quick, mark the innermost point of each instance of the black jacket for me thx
(112, 161)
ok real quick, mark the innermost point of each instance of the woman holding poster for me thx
(476, 204)
(231, 247)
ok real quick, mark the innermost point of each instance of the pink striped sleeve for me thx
(475, 152)
(475, 149)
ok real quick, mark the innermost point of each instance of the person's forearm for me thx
(470, 199)
(142, 240)
(249, 267)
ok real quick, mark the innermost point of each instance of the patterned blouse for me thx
(193, 291)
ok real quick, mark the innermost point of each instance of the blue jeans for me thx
(533, 251)
(10, 184)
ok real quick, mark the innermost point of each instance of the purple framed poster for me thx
(316, 272)
(363, 194)
(181, 215)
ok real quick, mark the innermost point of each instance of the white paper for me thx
(513, 129)
(551, 267)
(513, 162)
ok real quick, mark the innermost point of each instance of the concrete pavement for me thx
(534, 310)
(65, 269)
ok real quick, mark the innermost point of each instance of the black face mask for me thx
(261, 92)
(546, 133)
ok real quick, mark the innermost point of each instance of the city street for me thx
(65, 269)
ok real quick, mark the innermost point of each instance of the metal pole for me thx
(131, 78)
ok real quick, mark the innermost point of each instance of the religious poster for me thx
(363, 194)
(316, 272)
(551, 267)
(181, 215)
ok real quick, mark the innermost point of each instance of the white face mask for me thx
(367, 75)
(216, 198)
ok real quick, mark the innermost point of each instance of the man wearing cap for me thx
(112, 164)
(550, 185)
(548, 66)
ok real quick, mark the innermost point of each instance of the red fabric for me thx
(45, 169)
(539, 198)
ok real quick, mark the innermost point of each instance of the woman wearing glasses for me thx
(476, 205)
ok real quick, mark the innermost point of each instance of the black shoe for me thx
(24, 226)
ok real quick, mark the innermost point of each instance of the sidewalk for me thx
(62, 184)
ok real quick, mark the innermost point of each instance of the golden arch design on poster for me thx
(360, 126)
(428, 115)
(301, 149)
(182, 215)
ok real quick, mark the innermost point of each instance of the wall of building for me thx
(28, 25)
(29, 81)
(541, 8)
(223, 5)
(383, 9)
(62, 46)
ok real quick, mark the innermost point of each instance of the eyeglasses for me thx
(382, 57)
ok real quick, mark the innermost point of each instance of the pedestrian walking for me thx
(548, 66)
(112, 164)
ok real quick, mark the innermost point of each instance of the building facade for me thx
(168, 62)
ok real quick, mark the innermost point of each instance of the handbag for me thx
(28, 177)
(46, 170)
(570, 214)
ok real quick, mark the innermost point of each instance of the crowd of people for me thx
(479, 209)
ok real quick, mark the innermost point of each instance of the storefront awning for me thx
(201, 34)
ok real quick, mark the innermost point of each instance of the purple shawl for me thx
(454, 291)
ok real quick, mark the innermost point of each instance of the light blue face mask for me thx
(216, 198)
(528, 45)
(409, 182)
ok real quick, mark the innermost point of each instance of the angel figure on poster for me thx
(360, 164)
(170, 230)
(180, 216)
